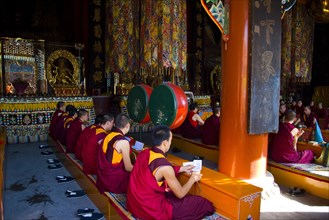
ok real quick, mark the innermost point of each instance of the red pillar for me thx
(241, 155)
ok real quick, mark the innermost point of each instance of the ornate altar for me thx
(35, 67)
(27, 119)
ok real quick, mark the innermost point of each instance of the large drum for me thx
(168, 105)
(137, 103)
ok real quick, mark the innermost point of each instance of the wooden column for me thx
(241, 155)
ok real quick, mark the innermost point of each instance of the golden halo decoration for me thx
(62, 69)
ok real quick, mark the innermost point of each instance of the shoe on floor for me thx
(54, 166)
(92, 216)
(84, 211)
(42, 146)
(75, 193)
(65, 179)
(52, 161)
(47, 152)
(295, 191)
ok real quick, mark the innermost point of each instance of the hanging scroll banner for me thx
(219, 13)
(286, 5)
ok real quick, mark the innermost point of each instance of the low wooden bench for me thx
(196, 147)
(308, 134)
(232, 198)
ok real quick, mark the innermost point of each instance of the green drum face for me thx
(137, 103)
(168, 105)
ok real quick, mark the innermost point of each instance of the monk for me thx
(154, 191)
(58, 126)
(312, 106)
(299, 108)
(210, 133)
(320, 111)
(191, 126)
(83, 137)
(282, 111)
(76, 127)
(283, 147)
(59, 111)
(92, 144)
(113, 162)
(309, 118)
(73, 113)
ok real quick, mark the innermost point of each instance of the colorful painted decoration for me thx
(219, 13)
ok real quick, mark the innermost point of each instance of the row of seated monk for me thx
(152, 188)
(194, 127)
(283, 145)
(306, 115)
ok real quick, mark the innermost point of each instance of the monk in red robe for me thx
(210, 132)
(320, 111)
(92, 144)
(76, 127)
(58, 126)
(283, 148)
(299, 108)
(113, 162)
(191, 126)
(73, 113)
(59, 111)
(154, 191)
(309, 118)
(83, 137)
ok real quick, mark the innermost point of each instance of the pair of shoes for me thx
(63, 179)
(295, 191)
(54, 166)
(84, 211)
(52, 161)
(75, 193)
(92, 216)
(42, 146)
(47, 152)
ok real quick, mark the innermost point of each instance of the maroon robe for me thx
(58, 127)
(190, 129)
(321, 113)
(308, 120)
(282, 148)
(149, 199)
(90, 149)
(73, 133)
(83, 137)
(111, 173)
(53, 121)
(63, 131)
(210, 132)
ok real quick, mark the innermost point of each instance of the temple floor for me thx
(32, 192)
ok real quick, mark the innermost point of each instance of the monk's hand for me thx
(186, 169)
(196, 176)
(300, 133)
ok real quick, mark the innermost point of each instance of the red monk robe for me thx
(83, 137)
(63, 131)
(282, 148)
(54, 121)
(190, 128)
(210, 132)
(111, 173)
(90, 149)
(58, 127)
(149, 199)
(73, 133)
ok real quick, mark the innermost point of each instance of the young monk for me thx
(113, 162)
(283, 148)
(210, 133)
(83, 137)
(309, 118)
(154, 191)
(59, 111)
(191, 126)
(76, 127)
(92, 144)
(73, 113)
(58, 126)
